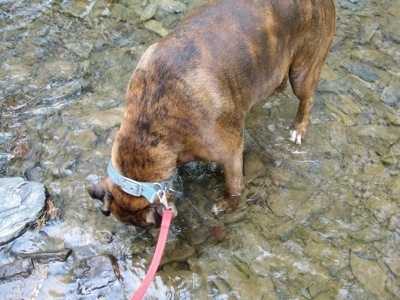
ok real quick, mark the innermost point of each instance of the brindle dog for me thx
(189, 94)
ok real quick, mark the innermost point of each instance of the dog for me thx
(189, 94)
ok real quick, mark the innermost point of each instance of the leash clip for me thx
(162, 195)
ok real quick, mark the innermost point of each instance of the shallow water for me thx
(317, 221)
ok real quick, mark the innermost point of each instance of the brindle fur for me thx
(189, 94)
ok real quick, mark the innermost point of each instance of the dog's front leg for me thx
(233, 172)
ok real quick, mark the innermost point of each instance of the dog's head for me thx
(131, 210)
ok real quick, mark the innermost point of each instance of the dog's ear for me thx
(100, 191)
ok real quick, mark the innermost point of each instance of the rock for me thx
(82, 49)
(176, 253)
(188, 215)
(33, 242)
(47, 257)
(60, 91)
(370, 275)
(103, 120)
(254, 168)
(393, 263)
(369, 33)
(280, 177)
(6, 137)
(390, 93)
(392, 157)
(78, 9)
(391, 30)
(84, 139)
(381, 207)
(370, 234)
(148, 12)
(365, 72)
(376, 58)
(120, 13)
(349, 106)
(393, 118)
(22, 203)
(394, 224)
(156, 27)
(346, 119)
(289, 203)
(329, 257)
(97, 272)
(19, 269)
(171, 6)
(57, 70)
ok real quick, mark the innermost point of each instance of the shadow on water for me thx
(316, 221)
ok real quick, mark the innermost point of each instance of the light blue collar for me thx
(136, 188)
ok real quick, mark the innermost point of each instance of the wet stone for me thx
(172, 6)
(40, 247)
(370, 274)
(156, 27)
(365, 72)
(21, 204)
(374, 58)
(19, 269)
(390, 94)
(81, 49)
(393, 263)
(78, 9)
(148, 12)
(254, 168)
(97, 272)
(394, 223)
(103, 120)
(392, 157)
(393, 118)
(176, 252)
(346, 119)
(370, 234)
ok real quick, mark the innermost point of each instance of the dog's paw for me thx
(295, 137)
(226, 204)
(298, 132)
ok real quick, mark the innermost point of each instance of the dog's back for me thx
(190, 92)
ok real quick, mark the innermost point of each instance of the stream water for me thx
(317, 221)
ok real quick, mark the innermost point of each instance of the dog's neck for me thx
(143, 163)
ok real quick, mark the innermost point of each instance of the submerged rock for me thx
(370, 275)
(390, 93)
(21, 204)
(96, 273)
(19, 269)
(156, 27)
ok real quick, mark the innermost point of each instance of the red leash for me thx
(162, 240)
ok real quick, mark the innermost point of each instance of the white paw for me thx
(295, 137)
(216, 210)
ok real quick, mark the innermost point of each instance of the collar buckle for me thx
(132, 187)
